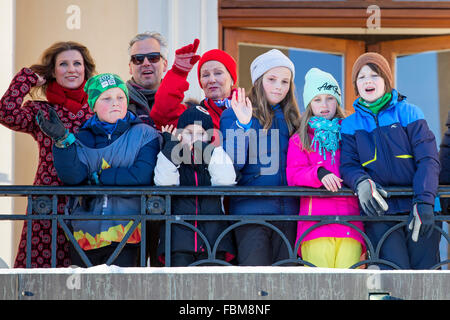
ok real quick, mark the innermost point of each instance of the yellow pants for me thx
(332, 252)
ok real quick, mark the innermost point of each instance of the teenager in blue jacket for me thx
(114, 147)
(256, 133)
(387, 142)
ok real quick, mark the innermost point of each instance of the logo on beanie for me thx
(328, 87)
(107, 80)
(200, 108)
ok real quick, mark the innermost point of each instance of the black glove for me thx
(169, 144)
(175, 151)
(445, 205)
(53, 127)
(370, 197)
(421, 220)
(198, 149)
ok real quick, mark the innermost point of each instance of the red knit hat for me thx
(222, 57)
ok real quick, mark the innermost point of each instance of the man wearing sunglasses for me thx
(148, 61)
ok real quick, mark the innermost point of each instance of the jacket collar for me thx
(396, 97)
(94, 124)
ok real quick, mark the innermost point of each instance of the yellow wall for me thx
(105, 28)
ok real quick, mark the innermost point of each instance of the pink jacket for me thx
(301, 171)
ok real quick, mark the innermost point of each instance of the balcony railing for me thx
(156, 206)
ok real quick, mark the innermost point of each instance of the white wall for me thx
(180, 22)
(6, 135)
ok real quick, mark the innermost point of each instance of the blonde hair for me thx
(304, 122)
(263, 111)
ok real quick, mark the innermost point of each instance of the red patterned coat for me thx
(22, 119)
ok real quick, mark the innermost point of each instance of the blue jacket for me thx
(72, 171)
(393, 148)
(260, 157)
(129, 147)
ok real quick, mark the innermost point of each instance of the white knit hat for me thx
(271, 59)
(320, 82)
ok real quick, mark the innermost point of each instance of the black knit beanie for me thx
(193, 115)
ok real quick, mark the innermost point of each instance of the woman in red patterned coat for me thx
(60, 76)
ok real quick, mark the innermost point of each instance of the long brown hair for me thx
(304, 122)
(264, 112)
(46, 67)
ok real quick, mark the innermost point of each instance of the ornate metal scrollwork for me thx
(156, 205)
(42, 205)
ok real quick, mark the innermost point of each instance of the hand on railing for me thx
(332, 182)
(370, 197)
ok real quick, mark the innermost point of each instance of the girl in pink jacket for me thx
(313, 161)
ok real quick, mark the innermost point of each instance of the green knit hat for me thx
(98, 84)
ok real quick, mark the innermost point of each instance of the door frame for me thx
(391, 49)
(350, 13)
(350, 49)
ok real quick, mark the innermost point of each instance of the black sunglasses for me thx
(152, 57)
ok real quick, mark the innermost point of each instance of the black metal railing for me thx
(156, 206)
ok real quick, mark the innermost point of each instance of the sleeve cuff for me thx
(66, 140)
(322, 172)
(181, 73)
(244, 126)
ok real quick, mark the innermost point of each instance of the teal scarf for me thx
(327, 136)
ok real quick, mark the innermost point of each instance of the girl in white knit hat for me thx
(264, 120)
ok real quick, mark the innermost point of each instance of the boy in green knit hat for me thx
(113, 147)
(98, 84)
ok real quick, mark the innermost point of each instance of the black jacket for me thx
(444, 159)
(170, 171)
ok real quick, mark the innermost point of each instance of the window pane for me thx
(307, 59)
(424, 79)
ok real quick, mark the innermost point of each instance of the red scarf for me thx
(71, 99)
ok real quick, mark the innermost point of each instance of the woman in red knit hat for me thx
(217, 74)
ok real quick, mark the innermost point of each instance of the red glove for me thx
(185, 58)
